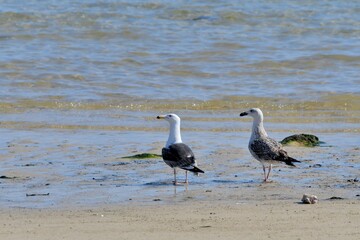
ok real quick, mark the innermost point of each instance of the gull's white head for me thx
(174, 135)
(172, 118)
(255, 113)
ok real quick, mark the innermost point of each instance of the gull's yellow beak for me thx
(161, 117)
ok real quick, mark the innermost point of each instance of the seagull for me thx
(176, 154)
(263, 148)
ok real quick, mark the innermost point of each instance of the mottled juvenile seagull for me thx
(264, 149)
(176, 154)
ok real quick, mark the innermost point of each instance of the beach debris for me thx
(100, 179)
(355, 180)
(30, 165)
(156, 199)
(116, 164)
(6, 177)
(37, 194)
(143, 156)
(305, 140)
(336, 198)
(316, 165)
(206, 226)
(309, 199)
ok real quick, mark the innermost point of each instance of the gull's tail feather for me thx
(290, 161)
(194, 169)
(197, 170)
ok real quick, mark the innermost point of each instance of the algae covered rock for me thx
(306, 140)
(143, 156)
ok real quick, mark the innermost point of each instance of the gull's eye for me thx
(169, 115)
(252, 110)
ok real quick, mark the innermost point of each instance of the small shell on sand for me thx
(309, 199)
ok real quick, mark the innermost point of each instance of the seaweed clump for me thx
(306, 140)
(143, 156)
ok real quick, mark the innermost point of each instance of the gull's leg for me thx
(175, 182)
(264, 169)
(186, 180)
(268, 174)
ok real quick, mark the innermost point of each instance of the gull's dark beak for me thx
(161, 116)
(243, 114)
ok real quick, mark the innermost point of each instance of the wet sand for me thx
(84, 169)
(127, 199)
(285, 219)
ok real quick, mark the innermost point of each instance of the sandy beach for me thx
(331, 219)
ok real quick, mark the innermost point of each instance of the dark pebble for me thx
(353, 180)
(37, 194)
(336, 198)
(6, 177)
(316, 165)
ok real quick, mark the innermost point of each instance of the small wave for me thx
(234, 17)
(317, 61)
(7, 17)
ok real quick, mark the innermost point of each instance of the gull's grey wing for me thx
(178, 155)
(267, 149)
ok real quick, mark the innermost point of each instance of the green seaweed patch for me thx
(143, 156)
(304, 140)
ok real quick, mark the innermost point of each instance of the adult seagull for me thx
(263, 148)
(176, 154)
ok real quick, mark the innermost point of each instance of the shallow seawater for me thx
(83, 82)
